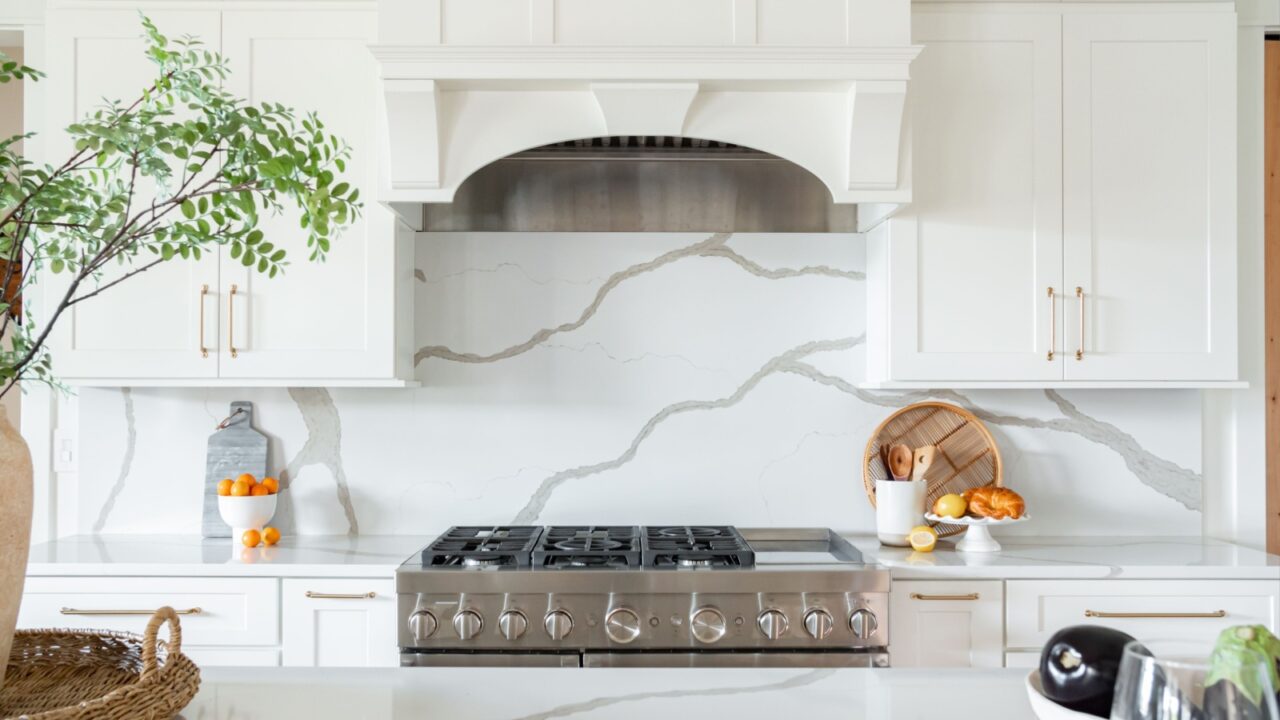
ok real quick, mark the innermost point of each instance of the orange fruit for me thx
(257, 490)
(247, 479)
(251, 538)
(239, 488)
(270, 535)
(271, 484)
(224, 486)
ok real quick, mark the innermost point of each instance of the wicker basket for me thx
(967, 454)
(63, 674)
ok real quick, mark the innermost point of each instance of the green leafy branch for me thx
(183, 169)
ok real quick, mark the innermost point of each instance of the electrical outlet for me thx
(66, 451)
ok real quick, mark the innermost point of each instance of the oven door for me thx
(483, 659)
(776, 659)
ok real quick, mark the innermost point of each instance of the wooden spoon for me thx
(900, 460)
(923, 459)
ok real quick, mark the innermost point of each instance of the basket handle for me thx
(149, 640)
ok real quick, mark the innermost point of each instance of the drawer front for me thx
(946, 623)
(1194, 610)
(232, 611)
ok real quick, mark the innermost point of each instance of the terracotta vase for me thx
(15, 530)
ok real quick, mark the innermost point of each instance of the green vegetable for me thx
(1231, 656)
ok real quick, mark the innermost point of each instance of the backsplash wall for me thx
(623, 378)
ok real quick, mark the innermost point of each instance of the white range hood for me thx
(821, 84)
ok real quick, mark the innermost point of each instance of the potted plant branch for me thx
(183, 169)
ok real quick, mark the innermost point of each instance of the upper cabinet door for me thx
(972, 261)
(1150, 195)
(317, 320)
(148, 326)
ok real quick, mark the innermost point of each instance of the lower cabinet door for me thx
(946, 623)
(340, 622)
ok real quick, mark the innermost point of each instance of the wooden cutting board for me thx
(236, 448)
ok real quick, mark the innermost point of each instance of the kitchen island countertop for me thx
(1077, 557)
(619, 694)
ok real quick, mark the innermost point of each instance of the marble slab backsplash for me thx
(629, 378)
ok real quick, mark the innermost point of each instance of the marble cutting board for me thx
(235, 449)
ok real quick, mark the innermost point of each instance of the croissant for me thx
(994, 502)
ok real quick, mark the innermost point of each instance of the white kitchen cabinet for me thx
(1075, 148)
(946, 623)
(336, 322)
(150, 325)
(340, 623)
(974, 255)
(225, 621)
(1149, 211)
(1193, 610)
(318, 320)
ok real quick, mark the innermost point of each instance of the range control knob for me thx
(622, 625)
(773, 624)
(707, 625)
(422, 625)
(467, 623)
(818, 623)
(558, 624)
(863, 623)
(512, 624)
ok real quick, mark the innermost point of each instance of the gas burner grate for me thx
(709, 546)
(480, 547)
(581, 547)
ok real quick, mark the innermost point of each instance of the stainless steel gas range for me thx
(618, 596)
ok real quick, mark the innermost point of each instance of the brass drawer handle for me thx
(76, 611)
(231, 321)
(922, 596)
(341, 596)
(1101, 614)
(204, 292)
(1053, 323)
(1080, 350)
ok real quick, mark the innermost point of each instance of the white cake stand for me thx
(977, 538)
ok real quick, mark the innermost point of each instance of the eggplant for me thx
(1078, 667)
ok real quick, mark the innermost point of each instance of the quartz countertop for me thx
(193, 556)
(379, 555)
(618, 694)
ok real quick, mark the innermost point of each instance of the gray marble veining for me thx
(126, 463)
(538, 501)
(323, 446)
(801, 680)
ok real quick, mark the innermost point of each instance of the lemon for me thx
(923, 538)
(950, 505)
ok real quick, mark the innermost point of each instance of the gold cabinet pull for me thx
(231, 321)
(1129, 615)
(1080, 297)
(341, 596)
(1053, 323)
(77, 611)
(204, 293)
(922, 596)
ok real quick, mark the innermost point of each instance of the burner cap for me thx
(694, 561)
(481, 561)
(675, 532)
(587, 543)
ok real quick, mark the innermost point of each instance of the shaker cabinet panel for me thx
(1149, 214)
(150, 325)
(315, 320)
(975, 255)
(340, 623)
(946, 623)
